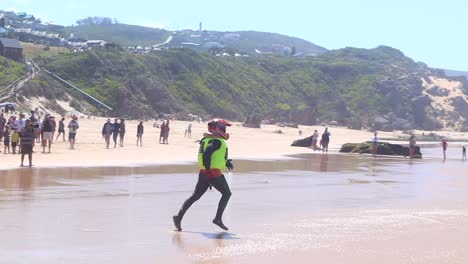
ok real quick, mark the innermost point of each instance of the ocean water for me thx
(331, 208)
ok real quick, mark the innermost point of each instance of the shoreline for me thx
(261, 144)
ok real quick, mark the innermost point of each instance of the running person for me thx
(212, 159)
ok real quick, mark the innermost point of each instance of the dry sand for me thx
(244, 143)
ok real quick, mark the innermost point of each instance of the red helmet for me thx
(218, 126)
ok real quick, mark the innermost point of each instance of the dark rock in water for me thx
(305, 142)
(383, 149)
(253, 121)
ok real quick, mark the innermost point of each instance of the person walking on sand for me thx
(72, 128)
(412, 146)
(212, 160)
(115, 131)
(47, 133)
(140, 130)
(107, 131)
(27, 137)
(188, 131)
(463, 152)
(61, 129)
(6, 139)
(325, 140)
(444, 147)
(122, 132)
(54, 127)
(166, 133)
(162, 129)
(315, 137)
(375, 145)
(15, 138)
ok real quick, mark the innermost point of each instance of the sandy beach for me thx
(97, 205)
(244, 143)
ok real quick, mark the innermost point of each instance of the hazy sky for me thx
(435, 32)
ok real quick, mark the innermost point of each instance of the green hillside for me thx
(125, 35)
(349, 85)
(250, 40)
(10, 71)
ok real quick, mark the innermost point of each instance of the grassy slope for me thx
(125, 35)
(183, 80)
(31, 50)
(10, 71)
(251, 39)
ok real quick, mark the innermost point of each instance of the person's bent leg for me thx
(200, 189)
(222, 186)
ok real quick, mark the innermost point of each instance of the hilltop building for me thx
(11, 48)
(96, 43)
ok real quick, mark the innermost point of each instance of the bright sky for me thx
(434, 32)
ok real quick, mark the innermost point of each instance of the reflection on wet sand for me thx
(323, 207)
(28, 178)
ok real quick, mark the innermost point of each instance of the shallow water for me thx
(330, 208)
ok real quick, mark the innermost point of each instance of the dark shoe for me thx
(219, 223)
(177, 220)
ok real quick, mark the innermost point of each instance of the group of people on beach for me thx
(412, 147)
(116, 130)
(324, 140)
(23, 133)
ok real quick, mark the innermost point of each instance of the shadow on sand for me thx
(216, 235)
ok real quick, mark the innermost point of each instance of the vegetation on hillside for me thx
(122, 34)
(32, 50)
(349, 85)
(250, 40)
(10, 71)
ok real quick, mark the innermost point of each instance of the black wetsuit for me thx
(204, 182)
(115, 131)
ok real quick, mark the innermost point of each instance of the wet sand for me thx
(307, 208)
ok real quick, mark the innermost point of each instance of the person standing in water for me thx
(444, 147)
(463, 152)
(315, 137)
(212, 160)
(375, 145)
(412, 146)
(325, 140)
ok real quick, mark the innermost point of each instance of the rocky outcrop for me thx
(390, 122)
(383, 149)
(305, 142)
(253, 120)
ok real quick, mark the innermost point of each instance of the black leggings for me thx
(203, 183)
